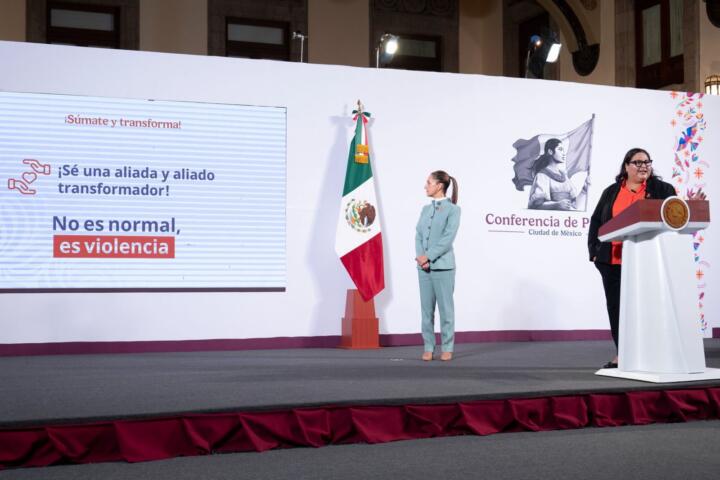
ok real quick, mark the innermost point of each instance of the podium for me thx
(660, 337)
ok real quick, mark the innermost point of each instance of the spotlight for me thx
(388, 45)
(553, 53)
(391, 45)
(542, 49)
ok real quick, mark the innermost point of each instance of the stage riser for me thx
(201, 434)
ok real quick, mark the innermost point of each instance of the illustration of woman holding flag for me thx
(552, 189)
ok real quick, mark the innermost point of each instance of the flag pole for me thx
(586, 187)
(360, 325)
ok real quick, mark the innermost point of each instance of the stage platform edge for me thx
(708, 374)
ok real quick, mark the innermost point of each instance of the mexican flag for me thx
(358, 241)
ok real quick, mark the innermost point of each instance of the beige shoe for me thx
(446, 356)
(427, 356)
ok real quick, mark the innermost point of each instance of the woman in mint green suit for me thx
(434, 236)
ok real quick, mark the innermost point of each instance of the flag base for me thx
(360, 326)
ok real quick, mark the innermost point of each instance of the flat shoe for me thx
(610, 365)
(427, 356)
(446, 356)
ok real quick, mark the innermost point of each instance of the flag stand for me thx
(360, 326)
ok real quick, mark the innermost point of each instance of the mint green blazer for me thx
(435, 233)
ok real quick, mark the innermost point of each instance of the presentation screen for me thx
(119, 194)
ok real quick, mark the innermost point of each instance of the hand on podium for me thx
(696, 195)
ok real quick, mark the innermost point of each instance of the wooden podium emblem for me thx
(675, 213)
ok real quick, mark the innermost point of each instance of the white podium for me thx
(660, 336)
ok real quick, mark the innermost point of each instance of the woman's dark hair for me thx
(445, 179)
(622, 176)
(545, 159)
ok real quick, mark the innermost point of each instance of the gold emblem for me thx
(675, 213)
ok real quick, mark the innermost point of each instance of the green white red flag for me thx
(358, 241)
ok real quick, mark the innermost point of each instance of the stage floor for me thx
(80, 388)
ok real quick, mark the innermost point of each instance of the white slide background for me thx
(194, 191)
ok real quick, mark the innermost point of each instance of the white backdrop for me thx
(465, 124)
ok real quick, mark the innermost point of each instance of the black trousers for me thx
(611, 283)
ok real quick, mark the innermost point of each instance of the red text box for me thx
(113, 246)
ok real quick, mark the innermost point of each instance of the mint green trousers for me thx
(436, 288)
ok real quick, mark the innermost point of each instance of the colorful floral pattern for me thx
(689, 172)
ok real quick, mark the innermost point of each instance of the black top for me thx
(654, 188)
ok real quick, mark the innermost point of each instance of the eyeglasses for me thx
(640, 163)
